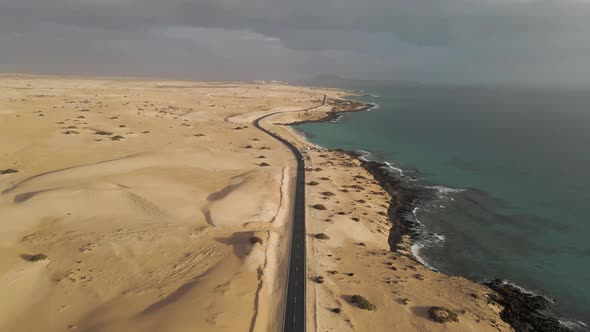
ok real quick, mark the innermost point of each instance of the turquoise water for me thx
(523, 158)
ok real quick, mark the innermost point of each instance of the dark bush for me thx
(255, 240)
(362, 303)
(36, 258)
(322, 236)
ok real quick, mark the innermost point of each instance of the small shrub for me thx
(442, 315)
(336, 310)
(37, 257)
(264, 164)
(319, 279)
(248, 147)
(327, 193)
(8, 171)
(313, 183)
(103, 133)
(362, 303)
(117, 138)
(322, 236)
(319, 207)
(255, 240)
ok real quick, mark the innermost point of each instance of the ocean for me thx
(512, 169)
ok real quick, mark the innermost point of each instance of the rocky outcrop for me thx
(442, 315)
(524, 311)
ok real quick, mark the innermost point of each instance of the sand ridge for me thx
(144, 196)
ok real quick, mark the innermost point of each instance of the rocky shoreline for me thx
(339, 107)
(524, 312)
(404, 199)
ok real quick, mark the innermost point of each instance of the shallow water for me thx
(524, 157)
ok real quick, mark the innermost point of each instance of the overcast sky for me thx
(425, 40)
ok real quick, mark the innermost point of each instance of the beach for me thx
(153, 205)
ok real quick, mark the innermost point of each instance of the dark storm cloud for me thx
(436, 40)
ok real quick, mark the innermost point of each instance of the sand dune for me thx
(133, 205)
(149, 231)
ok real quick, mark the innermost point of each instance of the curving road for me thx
(294, 319)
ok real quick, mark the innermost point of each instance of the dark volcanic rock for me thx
(524, 312)
(405, 198)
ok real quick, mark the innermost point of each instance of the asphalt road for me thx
(294, 318)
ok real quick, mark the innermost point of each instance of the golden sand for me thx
(144, 197)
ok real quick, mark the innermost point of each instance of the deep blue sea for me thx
(513, 168)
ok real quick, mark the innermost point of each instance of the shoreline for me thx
(522, 309)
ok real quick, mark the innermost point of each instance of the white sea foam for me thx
(446, 190)
(373, 106)
(364, 155)
(415, 249)
(574, 325)
(338, 119)
(399, 170)
(426, 240)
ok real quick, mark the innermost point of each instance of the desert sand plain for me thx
(132, 206)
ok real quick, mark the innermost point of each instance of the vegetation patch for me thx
(8, 171)
(103, 133)
(35, 258)
(319, 207)
(319, 279)
(362, 303)
(313, 183)
(322, 236)
(255, 240)
(442, 315)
